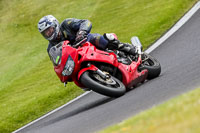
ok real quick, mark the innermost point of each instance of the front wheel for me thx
(110, 87)
(151, 64)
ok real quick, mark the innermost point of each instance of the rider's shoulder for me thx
(69, 21)
(65, 22)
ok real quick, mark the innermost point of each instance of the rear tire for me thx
(112, 88)
(151, 64)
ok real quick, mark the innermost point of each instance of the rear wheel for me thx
(110, 86)
(151, 64)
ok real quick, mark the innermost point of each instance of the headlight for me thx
(69, 67)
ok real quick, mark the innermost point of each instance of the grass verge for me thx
(178, 115)
(29, 87)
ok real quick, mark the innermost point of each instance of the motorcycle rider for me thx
(75, 30)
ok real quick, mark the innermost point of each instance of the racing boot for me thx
(115, 44)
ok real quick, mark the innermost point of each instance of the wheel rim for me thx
(147, 61)
(107, 81)
(113, 90)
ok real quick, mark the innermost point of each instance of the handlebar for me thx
(79, 43)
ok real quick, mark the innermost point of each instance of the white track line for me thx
(180, 23)
(57, 109)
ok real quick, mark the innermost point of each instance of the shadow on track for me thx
(79, 109)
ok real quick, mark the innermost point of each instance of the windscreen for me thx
(55, 53)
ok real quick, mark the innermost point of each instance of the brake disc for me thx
(108, 81)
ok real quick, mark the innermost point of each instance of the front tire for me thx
(111, 87)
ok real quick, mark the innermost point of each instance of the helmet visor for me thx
(48, 32)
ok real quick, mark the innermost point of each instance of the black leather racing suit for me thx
(69, 28)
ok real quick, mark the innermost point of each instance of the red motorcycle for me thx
(110, 73)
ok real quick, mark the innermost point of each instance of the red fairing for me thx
(131, 76)
(94, 54)
(86, 54)
(66, 51)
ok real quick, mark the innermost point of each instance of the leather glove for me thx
(80, 35)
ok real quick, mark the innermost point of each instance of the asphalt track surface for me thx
(179, 56)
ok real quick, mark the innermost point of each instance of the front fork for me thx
(95, 69)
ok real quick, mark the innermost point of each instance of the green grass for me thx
(178, 115)
(29, 87)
